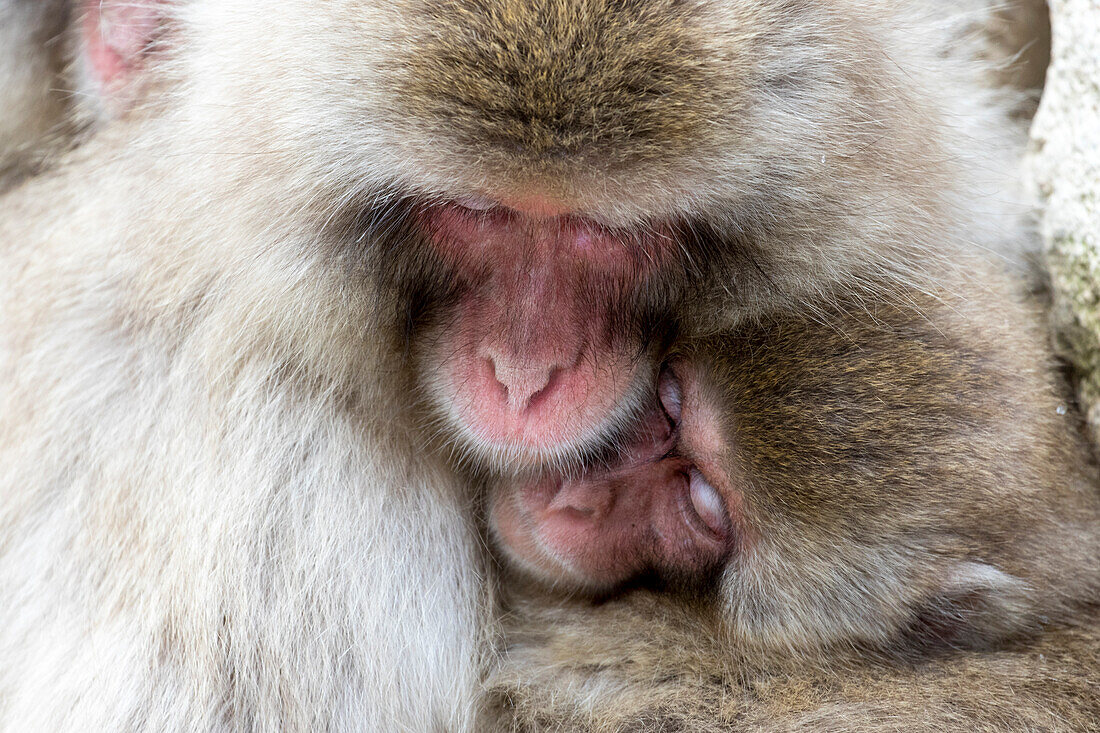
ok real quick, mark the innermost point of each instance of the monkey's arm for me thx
(642, 664)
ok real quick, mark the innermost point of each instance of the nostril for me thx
(583, 499)
(501, 386)
(543, 394)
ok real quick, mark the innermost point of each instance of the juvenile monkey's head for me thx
(547, 192)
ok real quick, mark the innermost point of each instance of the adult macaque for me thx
(307, 235)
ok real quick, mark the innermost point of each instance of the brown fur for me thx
(914, 434)
(592, 82)
(36, 120)
(1018, 36)
(649, 664)
(918, 485)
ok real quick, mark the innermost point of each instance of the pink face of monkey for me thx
(534, 361)
(667, 506)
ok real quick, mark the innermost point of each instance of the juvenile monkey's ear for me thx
(975, 606)
(115, 38)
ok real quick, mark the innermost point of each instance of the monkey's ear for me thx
(976, 605)
(115, 38)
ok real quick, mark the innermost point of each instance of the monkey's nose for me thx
(523, 385)
(589, 499)
(537, 398)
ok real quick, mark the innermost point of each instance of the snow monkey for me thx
(314, 260)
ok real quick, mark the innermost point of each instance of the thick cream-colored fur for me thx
(35, 103)
(212, 515)
(219, 511)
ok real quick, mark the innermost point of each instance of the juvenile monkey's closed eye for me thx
(708, 505)
(670, 394)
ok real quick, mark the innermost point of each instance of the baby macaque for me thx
(894, 476)
(871, 519)
(652, 509)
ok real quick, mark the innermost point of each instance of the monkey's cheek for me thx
(535, 548)
(514, 537)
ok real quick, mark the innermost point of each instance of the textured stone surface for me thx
(1064, 167)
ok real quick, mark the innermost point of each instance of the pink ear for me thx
(117, 34)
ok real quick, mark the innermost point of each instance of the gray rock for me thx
(1063, 166)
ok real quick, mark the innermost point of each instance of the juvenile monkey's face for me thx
(667, 504)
